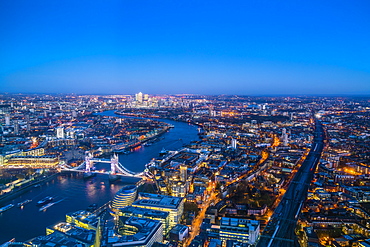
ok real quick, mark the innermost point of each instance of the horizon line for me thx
(197, 94)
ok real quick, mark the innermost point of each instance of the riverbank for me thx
(142, 142)
(155, 117)
(78, 193)
(25, 188)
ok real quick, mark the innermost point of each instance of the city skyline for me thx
(243, 48)
(192, 170)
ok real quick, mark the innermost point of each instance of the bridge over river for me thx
(116, 168)
(78, 194)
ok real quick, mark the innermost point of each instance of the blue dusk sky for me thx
(244, 47)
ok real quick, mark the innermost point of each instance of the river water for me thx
(74, 193)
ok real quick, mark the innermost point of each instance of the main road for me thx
(280, 229)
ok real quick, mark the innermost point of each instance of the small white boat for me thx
(46, 206)
(7, 207)
(21, 204)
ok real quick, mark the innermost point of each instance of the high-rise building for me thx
(7, 119)
(234, 144)
(139, 97)
(284, 137)
(28, 122)
(183, 172)
(146, 97)
(16, 128)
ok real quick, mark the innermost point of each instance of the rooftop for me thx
(154, 200)
(146, 213)
(145, 229)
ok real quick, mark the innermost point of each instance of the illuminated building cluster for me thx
(221, 190)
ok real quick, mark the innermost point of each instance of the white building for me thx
(60, 133)
(241, 230)
(139, 97)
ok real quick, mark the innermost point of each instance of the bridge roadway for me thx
(279, 231)
(121, 170)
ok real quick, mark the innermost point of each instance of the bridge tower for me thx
(113, 163)
(88, 162)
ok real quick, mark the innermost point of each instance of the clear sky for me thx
(247, 47)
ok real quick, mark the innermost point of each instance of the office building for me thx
(139, 97)
(83, 219)
(179, 232)
(65, 232)
(134, 231)
(163, 217)
(173, 205)
(284, 137)
(46, 161)
(179, 189)
(60, 133)
(183, 172)
(7, 119)
(233, 144)
(16, 128)
(241, 230)
(58, 238)
(124, 197)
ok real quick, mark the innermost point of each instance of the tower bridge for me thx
(116, 168)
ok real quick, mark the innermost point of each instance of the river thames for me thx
(74, 193)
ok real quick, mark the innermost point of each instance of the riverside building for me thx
(124, 197)
(134, 231)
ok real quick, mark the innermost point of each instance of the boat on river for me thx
(46, 206)
(45, 200)
(163, 152)
(7, 207)
(21, 204)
